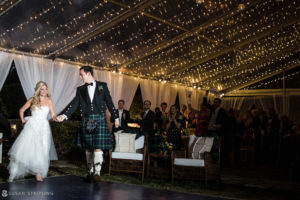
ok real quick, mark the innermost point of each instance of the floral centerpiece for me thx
(166, 147)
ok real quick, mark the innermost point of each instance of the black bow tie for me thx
(87, 84)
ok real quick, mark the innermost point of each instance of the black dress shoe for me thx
(89, 177)
(96, 178)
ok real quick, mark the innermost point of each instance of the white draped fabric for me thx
(61, 78)
(5, 64)
(32, 70)
(197, 96)
(158, 92)
(242, 104)
(65, 81)
(120, 86)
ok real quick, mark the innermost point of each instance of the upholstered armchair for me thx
(193, 167)
(131, 159)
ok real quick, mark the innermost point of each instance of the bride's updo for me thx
(36, 102)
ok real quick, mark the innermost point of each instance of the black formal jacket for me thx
(222, 114)
(101, 99)
(147, 123)
(124, 122)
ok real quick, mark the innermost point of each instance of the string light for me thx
(137, 35)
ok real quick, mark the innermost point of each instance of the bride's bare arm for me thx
(23, 108)
(52, 113)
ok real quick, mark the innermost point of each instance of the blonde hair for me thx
(36, 102)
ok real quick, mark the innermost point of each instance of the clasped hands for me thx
(61, 118)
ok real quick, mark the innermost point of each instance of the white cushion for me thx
(125, 142)
(129, 156)
(139, 143)
(191, 140)
(189, 162)
(203, 144)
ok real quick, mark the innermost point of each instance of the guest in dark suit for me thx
(218, 116)
(124, 117)
(146, 119)
(93, 97)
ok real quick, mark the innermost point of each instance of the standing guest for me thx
(146, 119)
(124, 117)
(34, 148)
(174, 127)
(191, 120)
(202, 120)
(185, 116)
(158, 119)
(218, 116)
(94, 137)
(164, 114)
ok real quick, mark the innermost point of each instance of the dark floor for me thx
(74, 187)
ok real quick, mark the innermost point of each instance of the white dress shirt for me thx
(120, 115)
(91, 90)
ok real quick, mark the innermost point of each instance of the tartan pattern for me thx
(99, 140)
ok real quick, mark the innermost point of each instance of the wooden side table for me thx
(159, 165)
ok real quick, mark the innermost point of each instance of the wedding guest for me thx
(174, 127)
(191, 120)
(218, 116)
(185, 116)
(202, 120)
(124, 117)
(146, 119)
(158, 122)
(164, 114)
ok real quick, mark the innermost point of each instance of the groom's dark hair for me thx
(87, 69)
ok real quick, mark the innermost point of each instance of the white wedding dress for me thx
(34, 148)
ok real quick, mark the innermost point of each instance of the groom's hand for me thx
(60, 118)
(117, 123)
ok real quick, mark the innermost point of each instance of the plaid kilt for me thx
(99, 140)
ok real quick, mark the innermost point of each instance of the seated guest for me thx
(124, 117)
(146, 119)
(191, 120)
(174, 127)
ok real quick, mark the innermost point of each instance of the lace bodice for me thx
(40, 112)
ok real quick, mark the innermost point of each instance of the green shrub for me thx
(63, 136)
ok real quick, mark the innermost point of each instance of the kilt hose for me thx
(101, 139)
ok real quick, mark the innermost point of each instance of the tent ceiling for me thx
(226, 44)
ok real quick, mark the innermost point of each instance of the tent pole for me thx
(284, 92)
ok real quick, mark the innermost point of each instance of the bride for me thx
(33, 149)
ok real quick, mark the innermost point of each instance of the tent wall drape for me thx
(61, 78)
(158, 92)
(266, 103)
(120, 86)
(5, 64)
(197, 96)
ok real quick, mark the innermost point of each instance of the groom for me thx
(93, 97)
